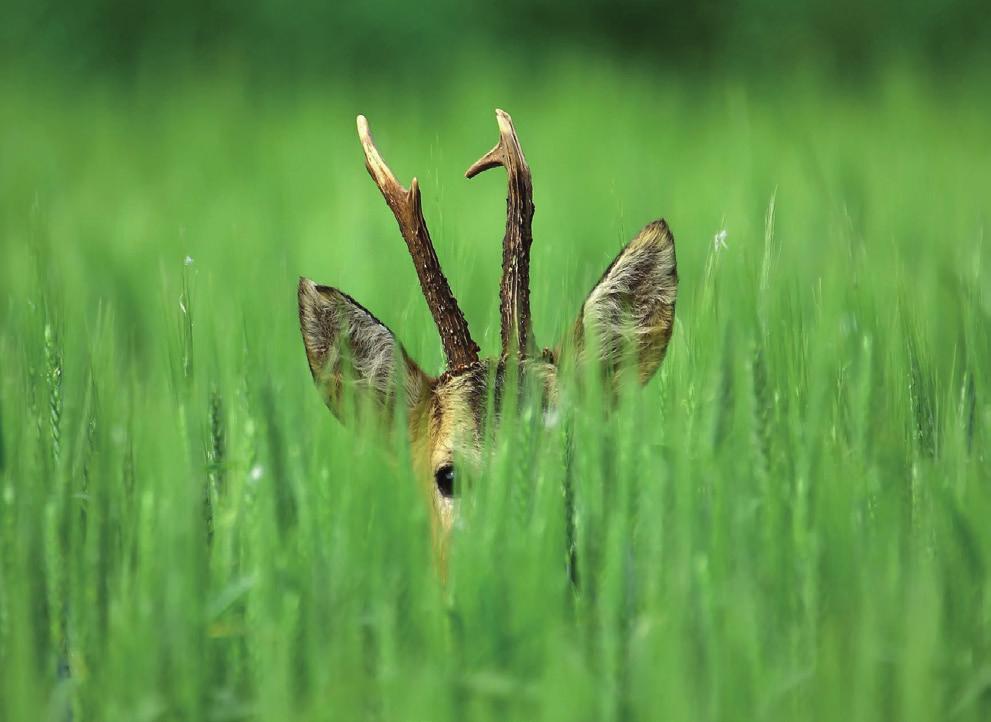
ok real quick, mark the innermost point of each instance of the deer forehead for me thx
(456, 410)
(458, 407)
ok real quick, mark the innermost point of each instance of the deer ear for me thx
(348, 348)
(631, 308)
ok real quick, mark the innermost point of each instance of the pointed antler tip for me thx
(498, 155)
(505, 122)
(492, 159)
(363, 131)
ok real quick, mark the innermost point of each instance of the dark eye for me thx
(445, 481)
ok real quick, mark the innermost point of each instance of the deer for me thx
(628, 314)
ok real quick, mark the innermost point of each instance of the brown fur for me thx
(632, 306)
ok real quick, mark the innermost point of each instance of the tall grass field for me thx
(791, 521)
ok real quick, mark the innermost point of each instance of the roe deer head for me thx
(630, 309)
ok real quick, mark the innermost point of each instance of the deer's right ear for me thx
(631, 308)
(349, 349)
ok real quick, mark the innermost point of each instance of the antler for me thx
(459, 347)
(514, 290)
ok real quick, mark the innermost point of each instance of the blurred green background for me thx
(316, 38)
(789, 522)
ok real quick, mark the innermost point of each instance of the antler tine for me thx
(514, 289)
(459, 347)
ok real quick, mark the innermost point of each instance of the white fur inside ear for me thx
(633, 304)
(341, 335)
(373, 348)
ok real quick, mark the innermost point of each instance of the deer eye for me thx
(445, 481)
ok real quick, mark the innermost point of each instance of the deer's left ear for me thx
(631, 308)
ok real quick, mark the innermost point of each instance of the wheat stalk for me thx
(53, 363)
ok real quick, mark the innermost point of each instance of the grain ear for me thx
(349, 349)
(631, 308)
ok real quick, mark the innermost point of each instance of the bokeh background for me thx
(308, 40)
(224, 131)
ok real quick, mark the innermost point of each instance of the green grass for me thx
(789, 522)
